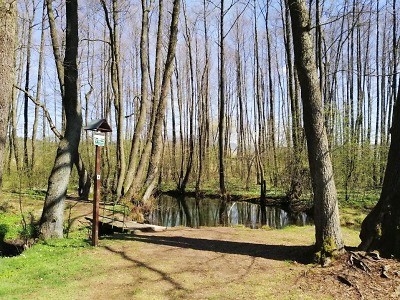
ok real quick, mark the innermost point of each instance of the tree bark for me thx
(51, 223)
(27, 80)
(144, 68)
(84, 182)
(326, 217)
(38, 89)
(8, 14)
(116, 84)
(156, 151)
(381, 228)
(221, 106)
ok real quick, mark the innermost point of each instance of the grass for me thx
(10, 226)
(38, 269)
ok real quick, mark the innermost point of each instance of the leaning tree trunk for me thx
(7, 72)
(157, 146)
(380, 230)
(84, 176)
(326, 217)
(51, 223)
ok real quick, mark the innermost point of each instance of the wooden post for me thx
(100, 126)
(96, 200)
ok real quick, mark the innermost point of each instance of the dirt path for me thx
(229, 263)
(217, 263)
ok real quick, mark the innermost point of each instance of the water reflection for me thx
(193, 212)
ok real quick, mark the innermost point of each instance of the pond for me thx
(191, 212)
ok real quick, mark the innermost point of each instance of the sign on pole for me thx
(99, 139)
(100, 127)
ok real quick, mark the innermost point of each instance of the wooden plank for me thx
(129, 225)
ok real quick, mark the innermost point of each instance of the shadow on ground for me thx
(300, 254)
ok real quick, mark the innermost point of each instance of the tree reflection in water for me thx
(191, 212)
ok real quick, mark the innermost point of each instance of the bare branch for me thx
(46, 112)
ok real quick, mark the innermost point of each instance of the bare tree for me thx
(38, 89)
(8, 14)
(144, 61)
(380, 229)
(326, 216)
(156, 151)
(52, 219)
(116, 84)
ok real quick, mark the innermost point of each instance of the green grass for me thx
(11, 226)
(51, 265)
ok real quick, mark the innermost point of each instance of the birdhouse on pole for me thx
(100, 127)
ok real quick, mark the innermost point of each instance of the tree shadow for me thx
(300, 254)
(164, 275)
(8, 248)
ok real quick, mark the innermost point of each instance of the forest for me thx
(292, 98)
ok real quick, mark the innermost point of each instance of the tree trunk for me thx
(327, 227)
(221, 111)
(144, 68)
(27, 79)
(8, 14)
(295, 188)
(86, 180)
(38, 90)
(116, 84)
(183, 180)
(380, 229)
(155, 158)
(51, 223)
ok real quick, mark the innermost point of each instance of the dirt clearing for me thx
(229, 263)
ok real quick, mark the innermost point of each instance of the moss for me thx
(328, 251)
(378, 231)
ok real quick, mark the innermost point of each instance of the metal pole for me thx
(96, 200)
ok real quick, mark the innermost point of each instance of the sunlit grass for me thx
(51, 265)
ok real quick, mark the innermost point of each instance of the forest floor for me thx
(220, 263)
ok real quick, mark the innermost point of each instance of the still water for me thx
(191, 212)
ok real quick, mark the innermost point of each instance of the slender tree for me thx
(221, 106)
(116, 85)
(38, 89)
